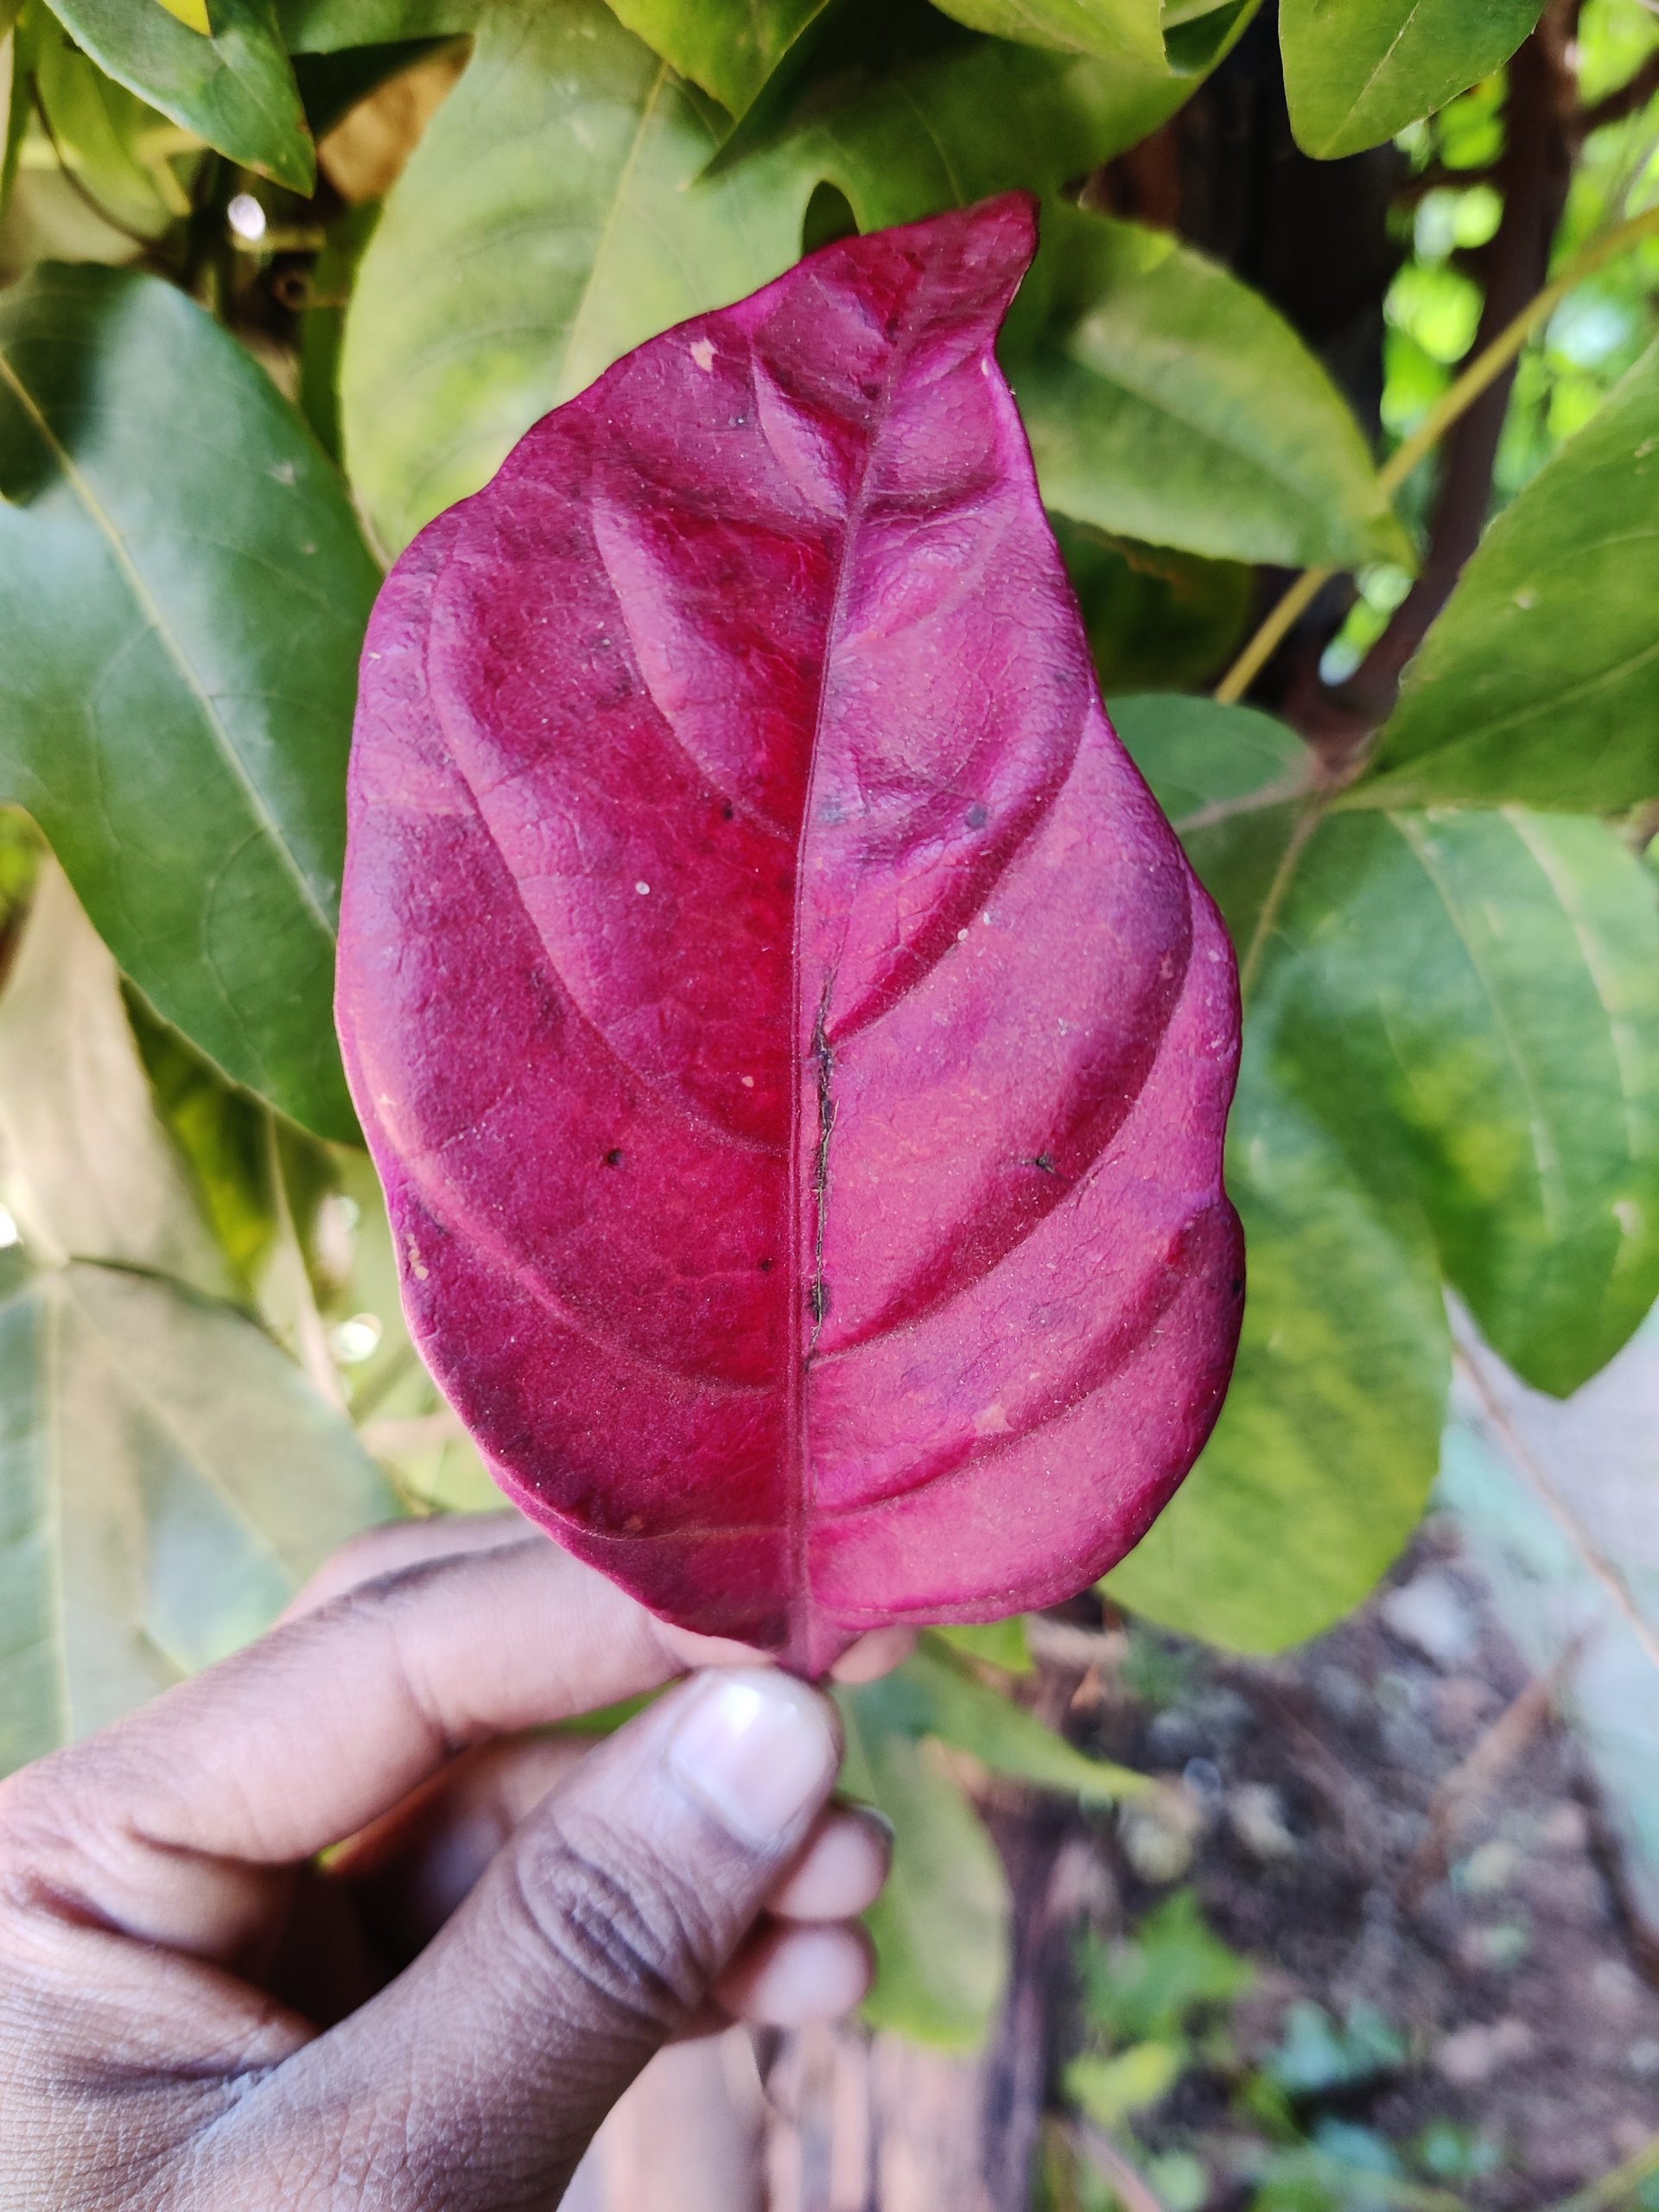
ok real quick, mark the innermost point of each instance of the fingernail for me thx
(758, 1750)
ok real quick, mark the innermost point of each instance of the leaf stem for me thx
(310, 1336)
(1459, 396)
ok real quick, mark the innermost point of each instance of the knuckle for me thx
(628, 1930)
(38, 1829)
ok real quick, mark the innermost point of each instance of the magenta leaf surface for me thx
(794, 1046)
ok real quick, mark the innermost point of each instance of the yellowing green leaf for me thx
(235, 88)
(1451, 1074)
(940, 1926)
(932, 1695)
(89, 1171)
(1110, 2089)
(728, 47)
(167, 1478)
(192, 14)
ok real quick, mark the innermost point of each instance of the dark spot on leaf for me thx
(613, 1157)
(728, 812)
(1238, 1286)
(766, 1265)
(820, 1299)
(1046, 1161)
(978, 815)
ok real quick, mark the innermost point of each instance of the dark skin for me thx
(195, 2014)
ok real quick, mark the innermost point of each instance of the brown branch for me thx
(1474, 1778)
(1625, 101)
(1533, 171)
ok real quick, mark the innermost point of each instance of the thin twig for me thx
(310, 1336)
(1280, 619)
(1266, 917)
(1474, 1775)
(1522, 1459)
(1494, 359)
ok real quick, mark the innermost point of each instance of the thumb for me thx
(592, 1939)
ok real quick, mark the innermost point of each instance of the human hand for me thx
(196, 2016)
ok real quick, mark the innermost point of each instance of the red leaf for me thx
(794, 1045)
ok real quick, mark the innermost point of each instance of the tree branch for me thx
(1533, 174)
(1625, 101)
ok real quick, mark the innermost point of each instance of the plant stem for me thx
(1282, 618)
(1488, 365)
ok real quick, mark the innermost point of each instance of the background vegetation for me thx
(1339, 366)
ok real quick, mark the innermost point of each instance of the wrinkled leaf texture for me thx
(795, 1047)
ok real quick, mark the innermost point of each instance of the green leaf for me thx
(105, 134)
(1109, 2090)
(331, 26)
(167, 1478)
(728, 47)
(1150, 1985)
(185, 590)
(235, 89)
(323, 326)
(224, 1136)
(932, 1695)
(1540, 681)
(1317, 2055)
(551, 218)
(1153, 616)
(940, 1927)
(995, 1643)
(561, 209)
(961, 125)
(1197, 35)
(1323, 1458)
(1326, 1448)
(1357, 71)
(1452, 1068)
(14, 99)
(90, 1172)
(1232, 781)
(1490, 982)
(1166, 401)
(1127, 30)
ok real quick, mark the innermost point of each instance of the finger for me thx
(785, 1977)
(840, 1872)
(874, 1655)
(397, 1544)
(594, 1937)
(309, 1735)
(411, 1872)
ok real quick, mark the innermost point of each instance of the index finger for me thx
(323, 1726)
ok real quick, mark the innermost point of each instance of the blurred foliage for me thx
(278, 285)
